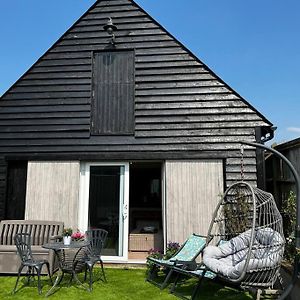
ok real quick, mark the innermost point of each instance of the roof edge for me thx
(50, 48)
(205, 65)
(288, 144)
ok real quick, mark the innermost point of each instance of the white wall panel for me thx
(53, 192)
(193, 189)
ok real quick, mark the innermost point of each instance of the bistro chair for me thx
(23, 244)
(185, 256)
(97, 239)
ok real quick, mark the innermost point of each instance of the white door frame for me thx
(163, 199)
(83, 208)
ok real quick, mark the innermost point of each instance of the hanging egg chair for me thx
(246, 238)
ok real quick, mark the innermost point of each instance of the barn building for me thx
(119, 126)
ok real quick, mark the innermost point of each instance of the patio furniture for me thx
(249, 226)
(147, 235)
(71, 260)
(185, 256)
(23, 244)
(97, 239)
(41, 232)
(199, 272)
(229, 259)
(249, 220)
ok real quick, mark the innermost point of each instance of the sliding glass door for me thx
(104, 202)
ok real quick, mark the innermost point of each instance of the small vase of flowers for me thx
(78, 236)
(67, 236)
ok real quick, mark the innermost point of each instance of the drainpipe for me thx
(289, 288)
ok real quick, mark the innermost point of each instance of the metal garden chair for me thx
(185, 256)
(23, 244)
(97, 239)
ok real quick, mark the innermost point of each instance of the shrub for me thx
(289, 211)
(154, 253)
(172, 248)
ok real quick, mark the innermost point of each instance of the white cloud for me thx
(294, 129)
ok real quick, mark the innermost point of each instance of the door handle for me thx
(125, 211)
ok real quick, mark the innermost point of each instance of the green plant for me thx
(172, 248)
(237, 213)
(154, 253)
(289, 211)
(67, 232)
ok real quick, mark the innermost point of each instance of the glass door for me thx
(104, 205)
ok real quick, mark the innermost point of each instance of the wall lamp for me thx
(109, 27)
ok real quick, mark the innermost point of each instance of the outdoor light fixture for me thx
(109, 27)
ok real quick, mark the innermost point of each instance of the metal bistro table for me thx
(70, 260)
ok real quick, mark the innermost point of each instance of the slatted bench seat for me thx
(41, 232)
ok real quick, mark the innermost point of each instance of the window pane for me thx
(104, 204)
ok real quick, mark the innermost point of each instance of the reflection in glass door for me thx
(106, 195)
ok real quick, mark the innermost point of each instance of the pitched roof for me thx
(289, 144)
(180, 104)
(122, 11)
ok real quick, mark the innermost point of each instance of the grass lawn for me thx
(121, 284)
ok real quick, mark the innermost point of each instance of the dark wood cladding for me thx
(3, 184)
(112, 107)
(181, 106)
(16, 190)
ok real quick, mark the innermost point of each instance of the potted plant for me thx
(67, 233)
(78, 236)
(154, 253)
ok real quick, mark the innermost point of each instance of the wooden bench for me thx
(41, 232)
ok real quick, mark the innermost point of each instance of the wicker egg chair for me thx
(247, 227)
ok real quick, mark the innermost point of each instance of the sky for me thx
(254, 46)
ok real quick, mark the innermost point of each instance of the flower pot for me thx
(67, 240)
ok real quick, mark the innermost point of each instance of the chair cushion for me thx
(229, 258)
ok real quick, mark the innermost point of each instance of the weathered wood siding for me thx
(293, 155)
(193, 189)
(182, 109)
(3, 182)
(53, 192)
(16, 190)
(279, 176)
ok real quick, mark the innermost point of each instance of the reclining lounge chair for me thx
(185, 255)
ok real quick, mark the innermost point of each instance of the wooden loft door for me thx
(113, 93)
